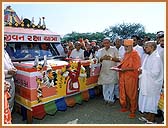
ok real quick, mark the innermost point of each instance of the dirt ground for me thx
(94, 111)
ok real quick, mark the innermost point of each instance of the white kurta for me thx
(108, 76)
(8, 65)
(150, 83)
(97, 54)
(139, 49)
(121, 51)
(77, 54)
(161, 52)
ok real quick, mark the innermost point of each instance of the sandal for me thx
(142, 119)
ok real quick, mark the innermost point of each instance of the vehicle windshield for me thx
(28, 51)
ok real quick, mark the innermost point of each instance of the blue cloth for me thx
(61, 104)
(91, 93)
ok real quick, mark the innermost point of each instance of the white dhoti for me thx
(116, 90)
(108, 92)
(148, 103)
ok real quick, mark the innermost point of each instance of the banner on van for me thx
(10, 37)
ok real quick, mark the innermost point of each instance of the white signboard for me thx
(10, 37)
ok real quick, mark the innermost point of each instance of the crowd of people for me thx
(131, 72)
(136, 78)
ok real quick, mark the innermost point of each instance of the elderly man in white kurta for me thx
(108, 57)
(78, 52)
(9, 71)
(150, 82)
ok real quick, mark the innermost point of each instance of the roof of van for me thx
(19, 30)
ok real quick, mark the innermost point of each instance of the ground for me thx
(94, 111)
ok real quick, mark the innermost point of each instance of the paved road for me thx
(92, 112)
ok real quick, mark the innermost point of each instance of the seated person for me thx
(78, 52)
(18, 53)
(44, 50)
(25, 51)
(88, 53)
(36, 49)
(31, 51)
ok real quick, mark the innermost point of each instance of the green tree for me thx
(90, 36)
(152, 36)
(124, 30)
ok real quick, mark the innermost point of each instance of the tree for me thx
(74, 36)
(124, 30)
(152, 36)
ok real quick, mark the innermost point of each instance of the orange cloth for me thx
(128, 42)
(7, 113)
(128, 81)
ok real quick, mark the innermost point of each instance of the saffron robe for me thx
(128, 81)
(7, 113)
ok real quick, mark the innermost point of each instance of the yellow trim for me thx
(29, 104)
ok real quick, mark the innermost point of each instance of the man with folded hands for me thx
(108, 57)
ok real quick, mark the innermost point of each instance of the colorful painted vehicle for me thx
(44, 81)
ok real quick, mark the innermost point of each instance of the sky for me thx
(68, 17)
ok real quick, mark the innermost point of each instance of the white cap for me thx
(107, 38)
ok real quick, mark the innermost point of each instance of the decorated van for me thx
(45, 81)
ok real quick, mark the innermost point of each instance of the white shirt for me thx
(121, 52)
(161, 52)
(139, 49)
(159, 49)
(77, 54)
(8, 65)
(97, 54)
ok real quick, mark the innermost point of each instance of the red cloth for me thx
(69, 52)
(39, 112)
(7, 112)
(70, 101)
(85, 95)
(128, 81)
